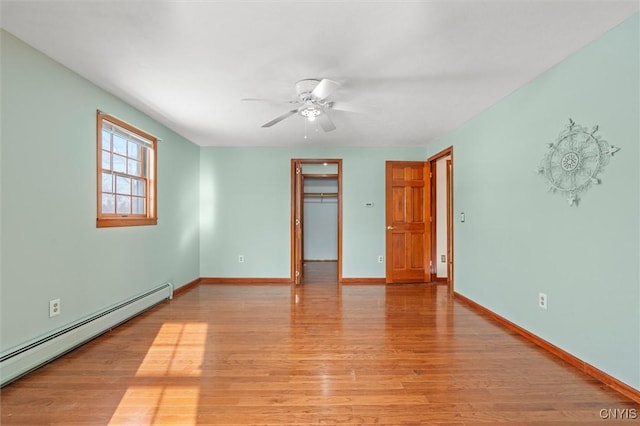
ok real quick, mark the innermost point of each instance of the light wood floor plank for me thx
(323, 353)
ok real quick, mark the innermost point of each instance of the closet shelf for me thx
(321, 194)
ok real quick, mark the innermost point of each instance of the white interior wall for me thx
(320, 220)
(441, 216)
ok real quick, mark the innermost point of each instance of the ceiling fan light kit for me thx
(310, 112)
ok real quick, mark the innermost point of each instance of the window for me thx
(126, 174)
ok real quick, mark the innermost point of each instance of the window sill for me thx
(123, 221)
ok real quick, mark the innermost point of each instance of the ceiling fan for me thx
(311, 103)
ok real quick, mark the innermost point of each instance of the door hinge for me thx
(297, 273)
(431, 219)
(431, 263)
(297, 221)
(430, 175)
(297, 170)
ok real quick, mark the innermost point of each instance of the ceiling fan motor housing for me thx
(305, 87)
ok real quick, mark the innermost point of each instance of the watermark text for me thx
(618, 414)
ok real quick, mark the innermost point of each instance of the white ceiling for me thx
(418, 68)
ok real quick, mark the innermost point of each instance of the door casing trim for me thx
(450, 254)
(298, 162)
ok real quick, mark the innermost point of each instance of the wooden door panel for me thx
(415, 174)
(417, 205)
(407, 207)
(398, 200)
(398, 173)
(399, 243)
(417, 250)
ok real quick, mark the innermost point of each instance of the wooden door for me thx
(408, 243)
(297, 218)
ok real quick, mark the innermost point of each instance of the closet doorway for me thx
(316, 217)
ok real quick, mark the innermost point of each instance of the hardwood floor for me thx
(322, 354)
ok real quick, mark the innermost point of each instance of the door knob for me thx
(390, 228)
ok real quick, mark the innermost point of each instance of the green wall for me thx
(51, 247)
(519, 240)
(246, 208)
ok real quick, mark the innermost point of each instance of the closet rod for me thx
(321, 194)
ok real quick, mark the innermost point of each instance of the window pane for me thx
(108, 203)
(106, 160)
(134, 151)
(133, 168)
(119, 164)
(107, 182)
(138, 187)
(106, 140)
(123, 204)
(138, 205)
(119, 144)
(123, 185)
(320, 168)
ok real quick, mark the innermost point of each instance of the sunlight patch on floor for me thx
(147, 405)
(178, 350)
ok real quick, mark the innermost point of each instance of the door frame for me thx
(449, 188)
(297, 201)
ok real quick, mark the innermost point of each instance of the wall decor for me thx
(572, 163)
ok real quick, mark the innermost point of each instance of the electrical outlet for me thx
(542, 300)
(380, 259)
(54, 307)
(443, 258)
(241, 258)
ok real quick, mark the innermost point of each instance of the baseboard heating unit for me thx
(22, 359)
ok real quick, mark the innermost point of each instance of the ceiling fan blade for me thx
(325, 88)
(346, 106)
(280, 118)
(325, 122)
(273, 101)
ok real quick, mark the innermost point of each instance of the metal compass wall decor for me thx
(573, 162)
